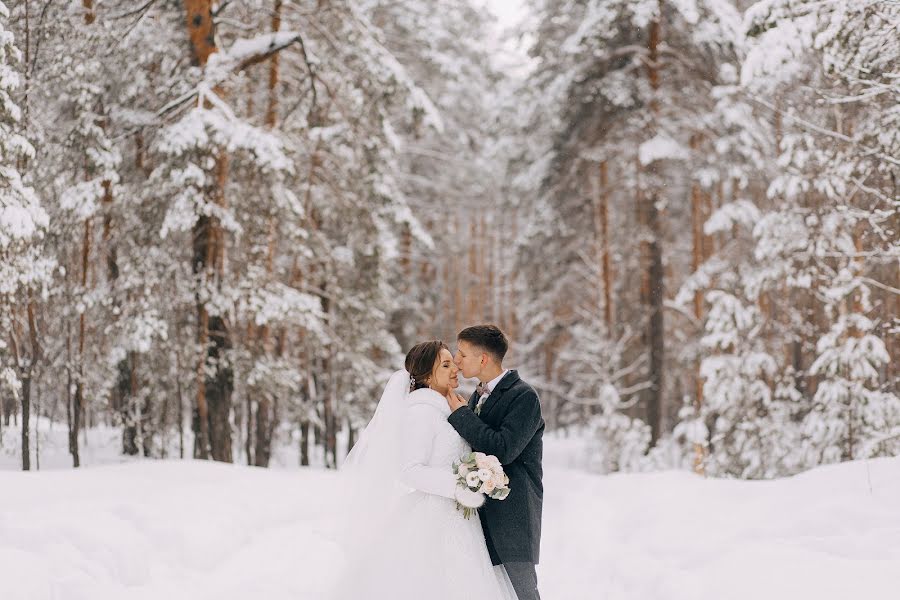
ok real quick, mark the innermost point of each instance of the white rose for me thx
(463, 470)
(484, 474)
(472, 479)
(488, 487)
(482, 461)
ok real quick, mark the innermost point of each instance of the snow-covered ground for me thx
(193, 530)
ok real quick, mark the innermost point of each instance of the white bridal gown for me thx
(425, 549)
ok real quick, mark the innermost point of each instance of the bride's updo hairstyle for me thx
(420, 362)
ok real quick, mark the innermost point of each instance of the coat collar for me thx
(431, 398)
(507, 382)
(504, 384)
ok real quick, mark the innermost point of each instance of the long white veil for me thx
(370, 473)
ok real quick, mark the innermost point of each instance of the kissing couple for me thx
(428, 459)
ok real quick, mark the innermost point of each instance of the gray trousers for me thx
(524, 579)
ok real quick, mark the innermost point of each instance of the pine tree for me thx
(24, 269)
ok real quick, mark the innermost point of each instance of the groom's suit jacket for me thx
(511, 428)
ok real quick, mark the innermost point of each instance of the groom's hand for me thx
(455, 401)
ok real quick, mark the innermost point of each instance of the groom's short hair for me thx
(488, 338)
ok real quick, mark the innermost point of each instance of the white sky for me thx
(507, 11)
(510, 54)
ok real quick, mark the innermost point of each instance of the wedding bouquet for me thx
(479, 475)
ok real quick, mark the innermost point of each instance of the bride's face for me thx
(443, 377)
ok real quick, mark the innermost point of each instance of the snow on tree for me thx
(24, 268)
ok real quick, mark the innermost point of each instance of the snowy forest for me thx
(223, 223)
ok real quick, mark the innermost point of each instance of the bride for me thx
(406, 538)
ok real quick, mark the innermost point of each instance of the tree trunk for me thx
(213, 391)
(89, 15)
(218, 393)
(304, 443)
(26, 422)
(328, 399)
(127, 388)
(602, 214)
(265, 421)
(351, 436)
(71, 413)
(201, 30)
(164, 428)
(78, 405)
(180, 404)
(697, 257)
(248, 443)
(653, 289)
(263, 441)
(37, 424)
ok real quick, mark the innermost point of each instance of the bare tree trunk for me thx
(458, 283)
(330, 437)
(263, 448)
(37, 424)
(78, 405)
(653, 289)
(474, 279)
(180, 403)
(304, 443)
(602, 220)
(89, 15)
(351, 436)
(71, 412)
(26, 423)
(164, 427)
(697, 258)
(127, 386)
(248, 443)
(513, 296)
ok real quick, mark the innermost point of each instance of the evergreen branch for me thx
(823, 131)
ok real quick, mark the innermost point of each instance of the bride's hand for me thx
(455, 401)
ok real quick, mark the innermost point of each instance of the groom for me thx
(503, 418)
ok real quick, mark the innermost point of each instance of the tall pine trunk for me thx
(26, 423)
(304, 443)
(653, 285)
(265, 417)
(213, 390)
(697, 257)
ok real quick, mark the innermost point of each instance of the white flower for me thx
(484, 474)
(493, 463)
(488, 487)
(462, 470)
(472, 479)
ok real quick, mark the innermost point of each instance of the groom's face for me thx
(469, 359)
